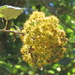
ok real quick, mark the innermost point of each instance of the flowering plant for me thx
(43, 42)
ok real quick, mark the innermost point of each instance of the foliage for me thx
(10, 12)
(11, 62)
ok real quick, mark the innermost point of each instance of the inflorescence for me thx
(43, 42)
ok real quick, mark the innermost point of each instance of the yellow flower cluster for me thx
(43, 41)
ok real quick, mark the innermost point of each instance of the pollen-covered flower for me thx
(43, 41)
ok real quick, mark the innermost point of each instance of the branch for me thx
(73, 64)
(12, 56)
(38, 1)
(66, 24)
(71, 15)
(9, 31)
(44, 2)
(66, 10)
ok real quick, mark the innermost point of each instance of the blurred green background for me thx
(11, 62)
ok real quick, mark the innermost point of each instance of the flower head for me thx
(43, 42)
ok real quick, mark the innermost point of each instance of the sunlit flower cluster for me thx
(43, 42)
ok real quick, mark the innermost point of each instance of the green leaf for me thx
(63, 73)
(6, 66)
(1, 15)
(65, 61)
(10, 12)
(2, 7)
(51, 71)
(15, 70)
(68, 30)
(17, 66)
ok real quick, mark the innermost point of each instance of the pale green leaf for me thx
(1, 15)
(10, 12)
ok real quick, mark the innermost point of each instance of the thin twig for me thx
(38, 1)
(12, 56)
(71, 15)
(66, 10)
(73, 64)
(44, 2)
(10, 31)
